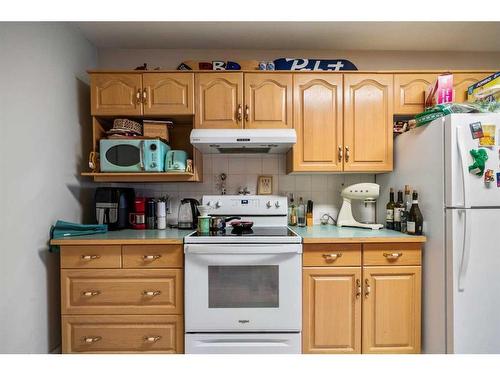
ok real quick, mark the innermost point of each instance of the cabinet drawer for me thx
(121, 291)
(107, 256)
(152, 256)
(122, 334)
(331, 255)
(401, 254)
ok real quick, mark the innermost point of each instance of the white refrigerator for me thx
(461, 259)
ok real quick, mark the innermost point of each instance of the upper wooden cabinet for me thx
(219, 100)
(462, 81)
(391, 309)
(116, 94)
(409, 92)
(268, 100)
(368, 122)
(331, 310)
(168, 93)
(318, 123)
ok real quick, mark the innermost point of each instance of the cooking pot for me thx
(239, 225)
(218, 223)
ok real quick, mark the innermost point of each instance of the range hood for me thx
(243, 141)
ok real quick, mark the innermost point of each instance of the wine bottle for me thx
(389, 218)
(406, 209)
(292, 213)
(415, 218)
(398, 208)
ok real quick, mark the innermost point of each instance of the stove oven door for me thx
(250, 288)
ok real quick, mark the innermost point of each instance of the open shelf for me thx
(141, 176)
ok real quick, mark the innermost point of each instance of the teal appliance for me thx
(176, 161)
(132, 155)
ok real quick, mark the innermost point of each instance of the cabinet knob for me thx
(367, 288)
(329, 258)
(147, 258)
(138, 98)
(340, 154)
(90, 257)
(90, 293)
(152, 338)
(239, 113)
(347, 154)
(393, 256)
(144, 96)
(151, 293)
(247, 112)
(358, 288)
(91, 339)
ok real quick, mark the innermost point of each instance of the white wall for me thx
(364, 60)
(44, 117)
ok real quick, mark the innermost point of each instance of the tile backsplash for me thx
(243, 171)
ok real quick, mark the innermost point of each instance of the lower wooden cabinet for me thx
(373, 306)
(122, 334)
(391, 309)
(331, 310)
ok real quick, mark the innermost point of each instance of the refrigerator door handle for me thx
(464, 168)
(464, 264)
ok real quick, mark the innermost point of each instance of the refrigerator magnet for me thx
(488, 138)
(476, 130)
(489, 176)
(498, 179)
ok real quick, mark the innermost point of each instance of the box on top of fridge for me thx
(487, 89)
(441, 91)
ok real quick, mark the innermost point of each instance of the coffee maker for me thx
(112, 206)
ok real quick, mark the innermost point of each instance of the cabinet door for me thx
(368, 122)
(331, 310)
(168, 93)
(219, 100)
(462, 81)
(116, 94)
(391, 309)
(409, 92)
(318, 123)
(268, 100)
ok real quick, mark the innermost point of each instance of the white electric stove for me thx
(243, 290)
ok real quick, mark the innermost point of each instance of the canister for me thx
(203, 224)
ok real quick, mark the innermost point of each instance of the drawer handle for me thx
(393, 256)
(91, 293)
(91, 339)
(152, 338)
(151, 293)
(147, 258)
(90, 257)
(329, 258)
(367, 288)
(358, 288)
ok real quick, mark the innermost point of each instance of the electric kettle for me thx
(188, 214)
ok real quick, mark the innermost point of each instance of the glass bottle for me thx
(389, 218)
(301, 213)
(415, 218)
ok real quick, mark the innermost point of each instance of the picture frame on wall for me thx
(265, 185)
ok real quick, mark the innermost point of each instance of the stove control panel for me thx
(246, 205)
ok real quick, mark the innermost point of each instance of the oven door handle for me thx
(242, 249)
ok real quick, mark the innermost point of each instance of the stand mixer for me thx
(366, 191)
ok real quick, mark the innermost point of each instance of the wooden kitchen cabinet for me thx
(391, 309)
(268, 100)
(114, 94)
(368, 122)
(168, 93)
(409, 92)
(462, 81)
(318, 122)
(219, 100)
(331, 310)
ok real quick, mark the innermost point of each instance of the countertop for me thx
(128, 237)
(314, 234)
(333, 234)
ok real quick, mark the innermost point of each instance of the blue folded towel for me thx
(64, 229)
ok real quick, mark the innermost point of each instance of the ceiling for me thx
(386, 36)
